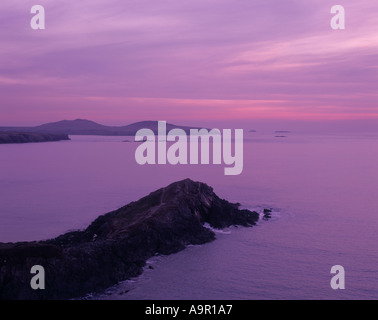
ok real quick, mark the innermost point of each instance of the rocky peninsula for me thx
(27, 137)
(116, 245)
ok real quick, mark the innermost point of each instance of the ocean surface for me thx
(322, 188)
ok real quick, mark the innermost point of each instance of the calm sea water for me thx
(323, 190)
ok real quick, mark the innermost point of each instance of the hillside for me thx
(87, 127)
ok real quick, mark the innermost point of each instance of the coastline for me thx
(116, 246)
(30, 137)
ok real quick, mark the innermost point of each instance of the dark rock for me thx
(115, 246)
(123, 292)
(267, 214)
(27, 137)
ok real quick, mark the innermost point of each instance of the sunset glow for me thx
(191, 60)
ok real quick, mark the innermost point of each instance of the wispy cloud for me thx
(183, 59)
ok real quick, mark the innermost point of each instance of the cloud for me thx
(257, 58)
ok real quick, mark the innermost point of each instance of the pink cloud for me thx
(188, 60)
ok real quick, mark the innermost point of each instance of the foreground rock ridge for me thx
(116, 245)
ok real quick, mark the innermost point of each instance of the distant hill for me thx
(87, 127)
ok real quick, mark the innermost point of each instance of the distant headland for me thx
(28, 137)
(88, 127)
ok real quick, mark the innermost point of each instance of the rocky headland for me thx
(116, 245)
(27, 137)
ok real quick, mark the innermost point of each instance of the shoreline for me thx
(30, 137)
(116, 246)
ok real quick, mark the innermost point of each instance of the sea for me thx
(322, 189)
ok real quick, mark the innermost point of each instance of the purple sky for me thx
(119, 61)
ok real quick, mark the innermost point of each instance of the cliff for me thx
(26, 137)
(116, 245)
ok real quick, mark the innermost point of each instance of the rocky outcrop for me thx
(267, 214)
(116, 245)
(26, 137)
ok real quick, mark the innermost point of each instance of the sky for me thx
(188, 61)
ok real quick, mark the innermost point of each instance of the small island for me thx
(28, 137)
(115, 246)
(282, 131)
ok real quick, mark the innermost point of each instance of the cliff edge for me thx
(116, 245)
